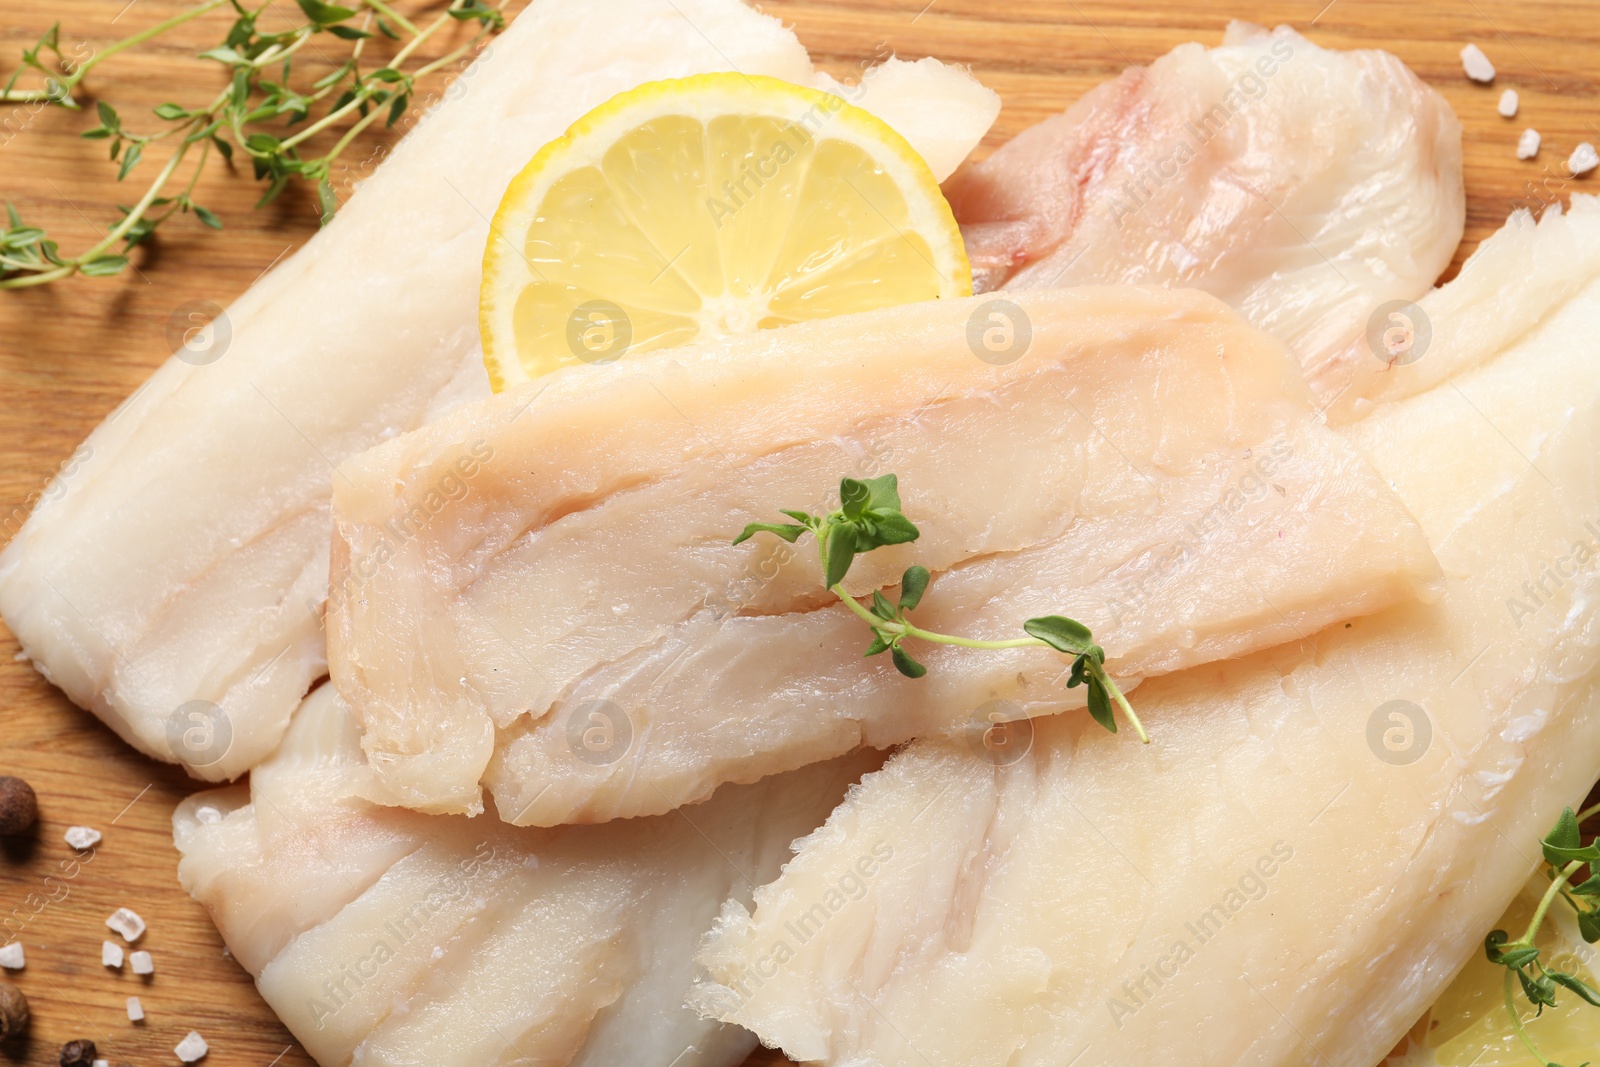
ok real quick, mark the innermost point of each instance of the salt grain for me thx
(82, 837)
(135, 1010)
(126, 922)
(102, 1063)
(12, 957)
(192, 1047)
(1583, 159)
(1476, 64)
(1528, 144)
(1508, 103)
(110, 954)
(142, 963)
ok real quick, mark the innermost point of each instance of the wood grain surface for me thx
(70, 352)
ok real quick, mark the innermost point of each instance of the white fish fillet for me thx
(186, 558)
(1455, 327)
(565, 547)
(385, 937)
(1303, 186)
(1297, 866)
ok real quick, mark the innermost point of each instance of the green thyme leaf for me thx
(1577, 985)
(787, 531)
(854, 497)
(905, 664)
(1100, 705)
(130, 159)
(913, 583)
(891, 528)
(327, 200)
(1061, 633)
(104, 266)
(884, 493)
(1563, 843)
(878, 645)
(841, 549)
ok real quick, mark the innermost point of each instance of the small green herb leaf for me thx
(1563, 843)
(891, 528)
(1061, 633)
(104, 266)
(1100, 705)
(1576, 984)
(841, 552)
(327, 201)
(130, 159)
(854, 497)
(787, 531)
(884, 493)
(878, 645)
(913, 583)
(324, 14)
(905, 664)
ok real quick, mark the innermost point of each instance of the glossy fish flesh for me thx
(1319, 836)
(380, 936)
(1306, 187)
(174, 584)
(1145, 462)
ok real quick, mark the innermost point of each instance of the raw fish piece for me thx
(174, 584)
(1455, 328)
(1319, 836)
(1149, 465)
(381, 936)
(1303, 186)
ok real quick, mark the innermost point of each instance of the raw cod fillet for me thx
(384, 937)
(1149, 466)
(1303, 186)
(186, 559)
(1319, 836)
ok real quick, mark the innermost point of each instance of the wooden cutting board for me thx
(70, 352)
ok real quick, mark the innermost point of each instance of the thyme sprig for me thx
(869, 517)
(259, 91)
(1565, 855)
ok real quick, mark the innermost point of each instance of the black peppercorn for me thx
(13, 1011)
(78, 1054)
(18, 806)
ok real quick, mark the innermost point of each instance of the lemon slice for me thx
(703, 207)
(1469, 1026)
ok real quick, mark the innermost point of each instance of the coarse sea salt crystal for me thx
(102, 1063)
(1583, 159)
(12, 958)
(82, 837)
(110, 954)
(1508, 104)
(1528, 144)
(142, 963)
(192, 1047)
(1476, 64)
(126, 922)
(135, 1010)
